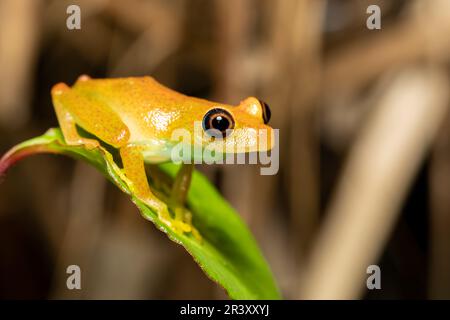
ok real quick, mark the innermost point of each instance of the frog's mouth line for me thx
(201, 154)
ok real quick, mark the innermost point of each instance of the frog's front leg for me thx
(134, 169)
(180, 186)
(178, 196)
(179, 192)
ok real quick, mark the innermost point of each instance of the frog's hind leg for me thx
(66, 120)
(133, 166)
(93, 115)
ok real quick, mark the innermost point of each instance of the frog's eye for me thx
(265, 111)
(218, 123)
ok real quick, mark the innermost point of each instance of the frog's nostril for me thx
(265, 111)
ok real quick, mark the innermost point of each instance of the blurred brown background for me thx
(364, 144)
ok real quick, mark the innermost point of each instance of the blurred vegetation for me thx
(364, 155)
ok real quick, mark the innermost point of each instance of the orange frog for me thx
(138, 116)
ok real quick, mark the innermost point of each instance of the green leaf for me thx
(228, 253)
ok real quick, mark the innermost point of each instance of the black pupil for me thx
(220, 123)
(218, 120)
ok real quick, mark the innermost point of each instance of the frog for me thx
(137, 117)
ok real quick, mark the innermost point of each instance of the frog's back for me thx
(134, 93)
(145, 106)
